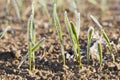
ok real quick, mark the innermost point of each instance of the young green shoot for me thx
(99, 46)
(104, 36)
(31, 34)
(73, 37)
(90, 34)
(77, 15)
(59, 31)
(31, 39)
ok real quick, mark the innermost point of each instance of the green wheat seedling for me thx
(73, 37)
(31, 42)
(45, 9)
(59, 31)
(104, 36)
(90, 34)
(99, 46)
(17, 10)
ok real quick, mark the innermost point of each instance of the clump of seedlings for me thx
(59, 31)
(32, 47)
(74, 36)
(104, 36)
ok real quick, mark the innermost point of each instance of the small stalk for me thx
(100, 52)
(77, 15)
(90, 34)
(31, 34)
(59, 31)
(105, 37)
(31, 40)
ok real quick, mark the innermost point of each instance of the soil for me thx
(13, 46)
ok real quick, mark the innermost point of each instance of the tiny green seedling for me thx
(90, 34)
(59, 31)
(99, 46)
(73, 37)
(104, 36)
(31, 42)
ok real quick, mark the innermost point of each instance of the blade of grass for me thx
(77, 43)
(77, 23)
(30, 25)
(100, 52)
(31, 39)
(90, 34)
(59, 31)
(69, 29)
